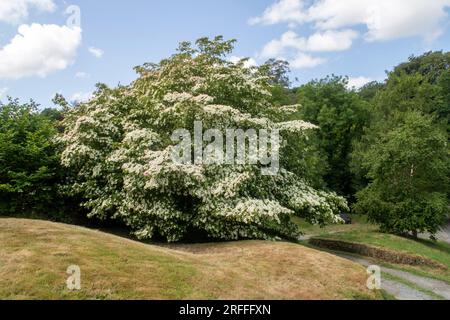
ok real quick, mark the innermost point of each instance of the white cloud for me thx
(334, 21)
(79, 97)
(296, 48)
(15, 11)
(384, 19)
(318, 42)
(249, 63)
(277, 47)
(82, 75)
(39, 50)
(305, 61)
(358, 82)
(98, 53)
(3, 92)
(290, 11)
(331, 40)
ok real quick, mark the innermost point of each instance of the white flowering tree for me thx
(119, 146)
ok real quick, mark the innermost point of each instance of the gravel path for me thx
(402, 291)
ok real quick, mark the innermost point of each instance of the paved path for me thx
(402, 291)
(442, 235)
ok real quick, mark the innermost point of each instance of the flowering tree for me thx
(120, 145)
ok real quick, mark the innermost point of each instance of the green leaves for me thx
(29, 168)
(405, 156)
(341, 115)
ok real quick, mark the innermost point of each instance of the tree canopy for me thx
(119, 144)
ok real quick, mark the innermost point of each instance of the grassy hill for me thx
(34, 256)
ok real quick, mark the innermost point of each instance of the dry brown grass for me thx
(34, 256)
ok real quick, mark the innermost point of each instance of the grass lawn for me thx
(34, 256)
(358, 223)
(363, 232)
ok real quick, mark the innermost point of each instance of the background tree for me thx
(341, 115)
(430, 65)
(408, 166)
(414, 91)
(369, 91)
(309, 163)
(278, 72)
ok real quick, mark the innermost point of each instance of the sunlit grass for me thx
(34, 256)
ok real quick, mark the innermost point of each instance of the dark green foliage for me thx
(29, 163)
(278, 71)
(407, 92)
(283, 96)
(370, 90)
(405, 152)
(341, 115)
(444, 111)
(431, 65)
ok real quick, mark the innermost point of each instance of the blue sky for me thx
(41, 56)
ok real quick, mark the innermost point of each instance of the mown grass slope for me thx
(34, 256)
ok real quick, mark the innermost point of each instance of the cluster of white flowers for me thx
(229, 186)
(225, 113)
(248, 211)
(296, 126)
(160, 171)
(173, 97)
(141, 135)
(119, 146)
(290, 109)
(221, 110)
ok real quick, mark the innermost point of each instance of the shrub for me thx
(29, 163)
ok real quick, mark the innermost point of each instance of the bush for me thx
(119, 145)
(29, 163)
